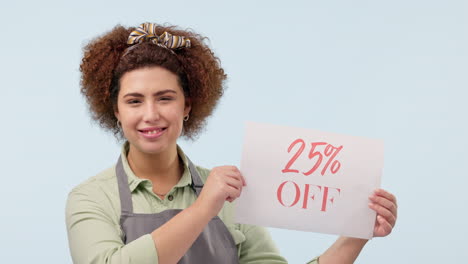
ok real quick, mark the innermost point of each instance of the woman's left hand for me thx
(385, 204)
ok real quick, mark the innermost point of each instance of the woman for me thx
(150, 85)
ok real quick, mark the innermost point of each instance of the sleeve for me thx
(259, 247)
(94, 237)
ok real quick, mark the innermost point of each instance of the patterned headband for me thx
(147, 32)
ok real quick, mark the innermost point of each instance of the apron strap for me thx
(124, 191)
(197, 184)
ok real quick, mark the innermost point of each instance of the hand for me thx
(385, 204)
(223, 184)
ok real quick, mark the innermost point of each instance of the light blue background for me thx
(395, 70)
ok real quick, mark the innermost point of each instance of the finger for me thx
(243, 180)
(384, 225)
(234, 174)
(237, 175)
(383, 212)
(232, 194)
(384, 193)
(382, 201)
(234, 183)
(231, 168)
(226, 169)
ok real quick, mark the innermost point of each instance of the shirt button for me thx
(170, 197)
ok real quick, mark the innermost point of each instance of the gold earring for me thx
(186, 118)
(119, 124)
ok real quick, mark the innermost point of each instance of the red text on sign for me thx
(311, 191)
(329, 152)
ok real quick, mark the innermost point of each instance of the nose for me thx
(151, 113)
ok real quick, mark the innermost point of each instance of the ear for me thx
(116, 113)
(188, 106)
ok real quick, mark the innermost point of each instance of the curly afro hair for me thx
(103, 64)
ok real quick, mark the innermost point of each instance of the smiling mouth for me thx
(152, 131)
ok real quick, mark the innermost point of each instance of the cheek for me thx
(175, 111)
(175, 116)
(128, 118)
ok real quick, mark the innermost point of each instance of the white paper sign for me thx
(309, 180)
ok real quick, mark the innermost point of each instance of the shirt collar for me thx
(134, 181)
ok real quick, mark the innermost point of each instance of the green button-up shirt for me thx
(93, 215)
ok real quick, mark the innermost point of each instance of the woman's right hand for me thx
(224, 183)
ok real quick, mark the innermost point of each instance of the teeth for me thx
(152, 132)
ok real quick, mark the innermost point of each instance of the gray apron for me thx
(214, 245)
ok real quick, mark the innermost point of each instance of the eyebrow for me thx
(155, 94)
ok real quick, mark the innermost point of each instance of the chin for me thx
(153, 148)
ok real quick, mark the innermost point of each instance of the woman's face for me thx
(151, 107)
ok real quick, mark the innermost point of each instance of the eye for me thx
(133, 101)
(166, 98)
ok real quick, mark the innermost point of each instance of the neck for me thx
(162, 169)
